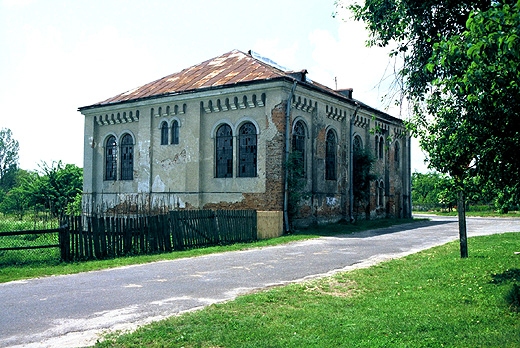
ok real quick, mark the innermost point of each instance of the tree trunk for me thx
(461, 210)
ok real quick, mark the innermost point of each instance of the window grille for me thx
(175, 132)
(330, 156)
(358, 143)
(247, 151)
(224, 152)
(111, 159)
(127, 158)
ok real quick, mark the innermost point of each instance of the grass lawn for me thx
(48, 263)
(429, 299)
(486, 213)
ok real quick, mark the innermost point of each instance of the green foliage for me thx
(58, 187)
(432, 191)
(74, 207)
(412, 28)
(460, 73)
(8, 159)
(30, 257)
(506, 199)
(19, 198)
(16, 201)
(479, 87)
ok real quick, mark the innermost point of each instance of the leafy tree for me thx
(447, 193)
(58, 187)
(460, 74)
(16, 201)
(484, 66)
(432, 190)
(8, 159)
(74, 208)
(19, 198)
(424, 190)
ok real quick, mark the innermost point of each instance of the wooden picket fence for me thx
(92, 237)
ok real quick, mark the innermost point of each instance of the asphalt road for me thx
(73, 310)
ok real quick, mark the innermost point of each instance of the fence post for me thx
(64, 240)
(177, 231)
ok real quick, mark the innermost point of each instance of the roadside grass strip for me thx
(429, 299)
(47, 263)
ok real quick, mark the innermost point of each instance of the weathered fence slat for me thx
(101, 237)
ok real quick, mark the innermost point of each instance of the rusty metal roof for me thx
(230, 68)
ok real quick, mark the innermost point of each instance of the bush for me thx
(480, 208)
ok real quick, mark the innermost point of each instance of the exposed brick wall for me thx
(272, 199)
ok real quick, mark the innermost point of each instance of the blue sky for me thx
(58, 55)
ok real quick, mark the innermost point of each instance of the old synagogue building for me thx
(218, 135)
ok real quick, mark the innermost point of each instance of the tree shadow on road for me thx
(370, 228)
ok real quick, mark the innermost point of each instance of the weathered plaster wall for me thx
(182, 176)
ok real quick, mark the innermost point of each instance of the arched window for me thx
(224, 152)
(175, 132)
(247, 150)
(111, 158)
(298, 145)
(330, 156)
(381, 147)
(164, 133)
(358, 143)
(127, 157)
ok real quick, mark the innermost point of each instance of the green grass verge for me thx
(429, 299)
(511, 214)
(52, 265)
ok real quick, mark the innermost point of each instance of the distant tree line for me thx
(436, 191)
(55, 187)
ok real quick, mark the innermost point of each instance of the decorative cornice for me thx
(303, 104)
(361, 121)
(400, 132)
(165, 111)
(335, 113)
(117, 118)
(233, 103)
(382, 127)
